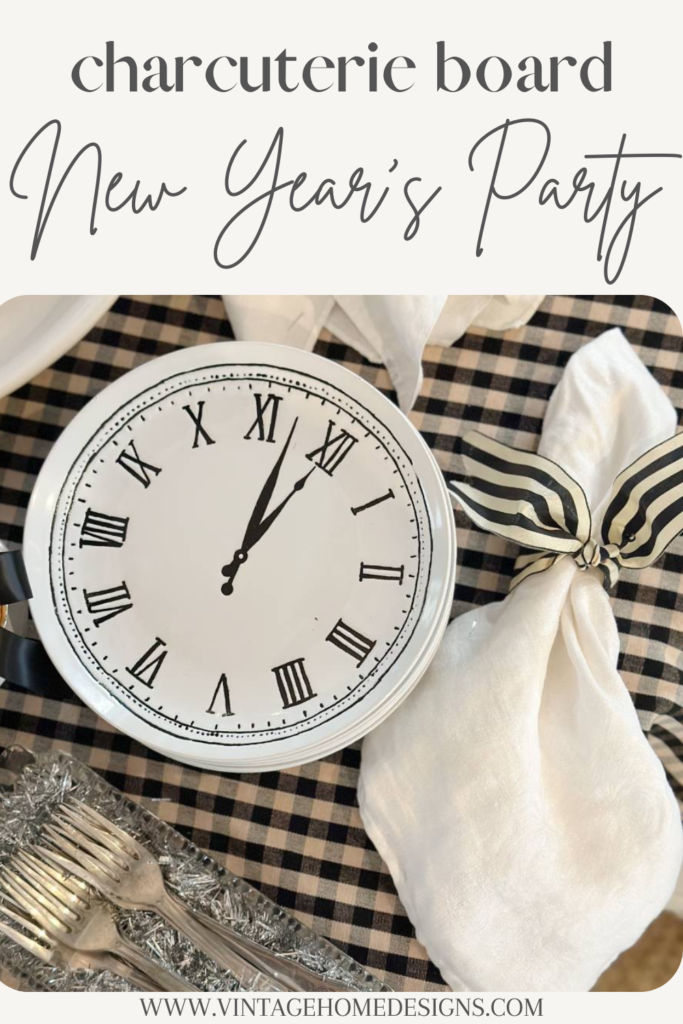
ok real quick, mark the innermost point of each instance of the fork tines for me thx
(99, 827)
(72, 849)
(41, 946)
(53, 906)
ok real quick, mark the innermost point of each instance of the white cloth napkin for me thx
(389, 329)
(527, 823)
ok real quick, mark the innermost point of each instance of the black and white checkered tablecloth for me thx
(297, 834)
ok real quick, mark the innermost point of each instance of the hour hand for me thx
(266, 523)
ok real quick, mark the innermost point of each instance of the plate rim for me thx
(26, 369)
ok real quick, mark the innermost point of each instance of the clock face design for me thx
(239, 553)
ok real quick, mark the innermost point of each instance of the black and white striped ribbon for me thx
(529, 499)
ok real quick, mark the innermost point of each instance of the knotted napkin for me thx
(527, 823)
(389, 329)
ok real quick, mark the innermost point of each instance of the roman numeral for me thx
(375, 501)
(145, 670)
(334, 449)
(199, 431)
(133, 464)
(266, 417)
(224, 692)
(351, 642)
(381, 572)
(105, 604)
(293, 683)
(102, 531)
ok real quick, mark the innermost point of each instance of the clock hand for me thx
(252, 534)
(266, 523)
(266, 494)
(257, 533)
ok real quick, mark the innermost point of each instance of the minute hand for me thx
(256, 527)
(263, 500)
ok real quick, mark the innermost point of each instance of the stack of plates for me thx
(241, 555)
(353, 727)
(367, 714)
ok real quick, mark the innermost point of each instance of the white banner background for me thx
(186, 139)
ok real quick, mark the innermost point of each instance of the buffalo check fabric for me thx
(297, 834)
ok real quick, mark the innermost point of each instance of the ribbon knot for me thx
(591, 555)
(599, 556)
(531, 500)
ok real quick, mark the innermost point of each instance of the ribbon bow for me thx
(529, 499)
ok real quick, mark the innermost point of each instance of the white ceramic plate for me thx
(360, 728)
(363, 725)
(35, 330)
(219, 636)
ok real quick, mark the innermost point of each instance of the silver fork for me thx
(122, 870)
(55, 954)
(65, 910)
(105, 847)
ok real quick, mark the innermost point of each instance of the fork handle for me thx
(183, 920)
(140, 979)
(295, 976)
(162, 980)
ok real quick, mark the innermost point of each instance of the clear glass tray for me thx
(31, 789)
